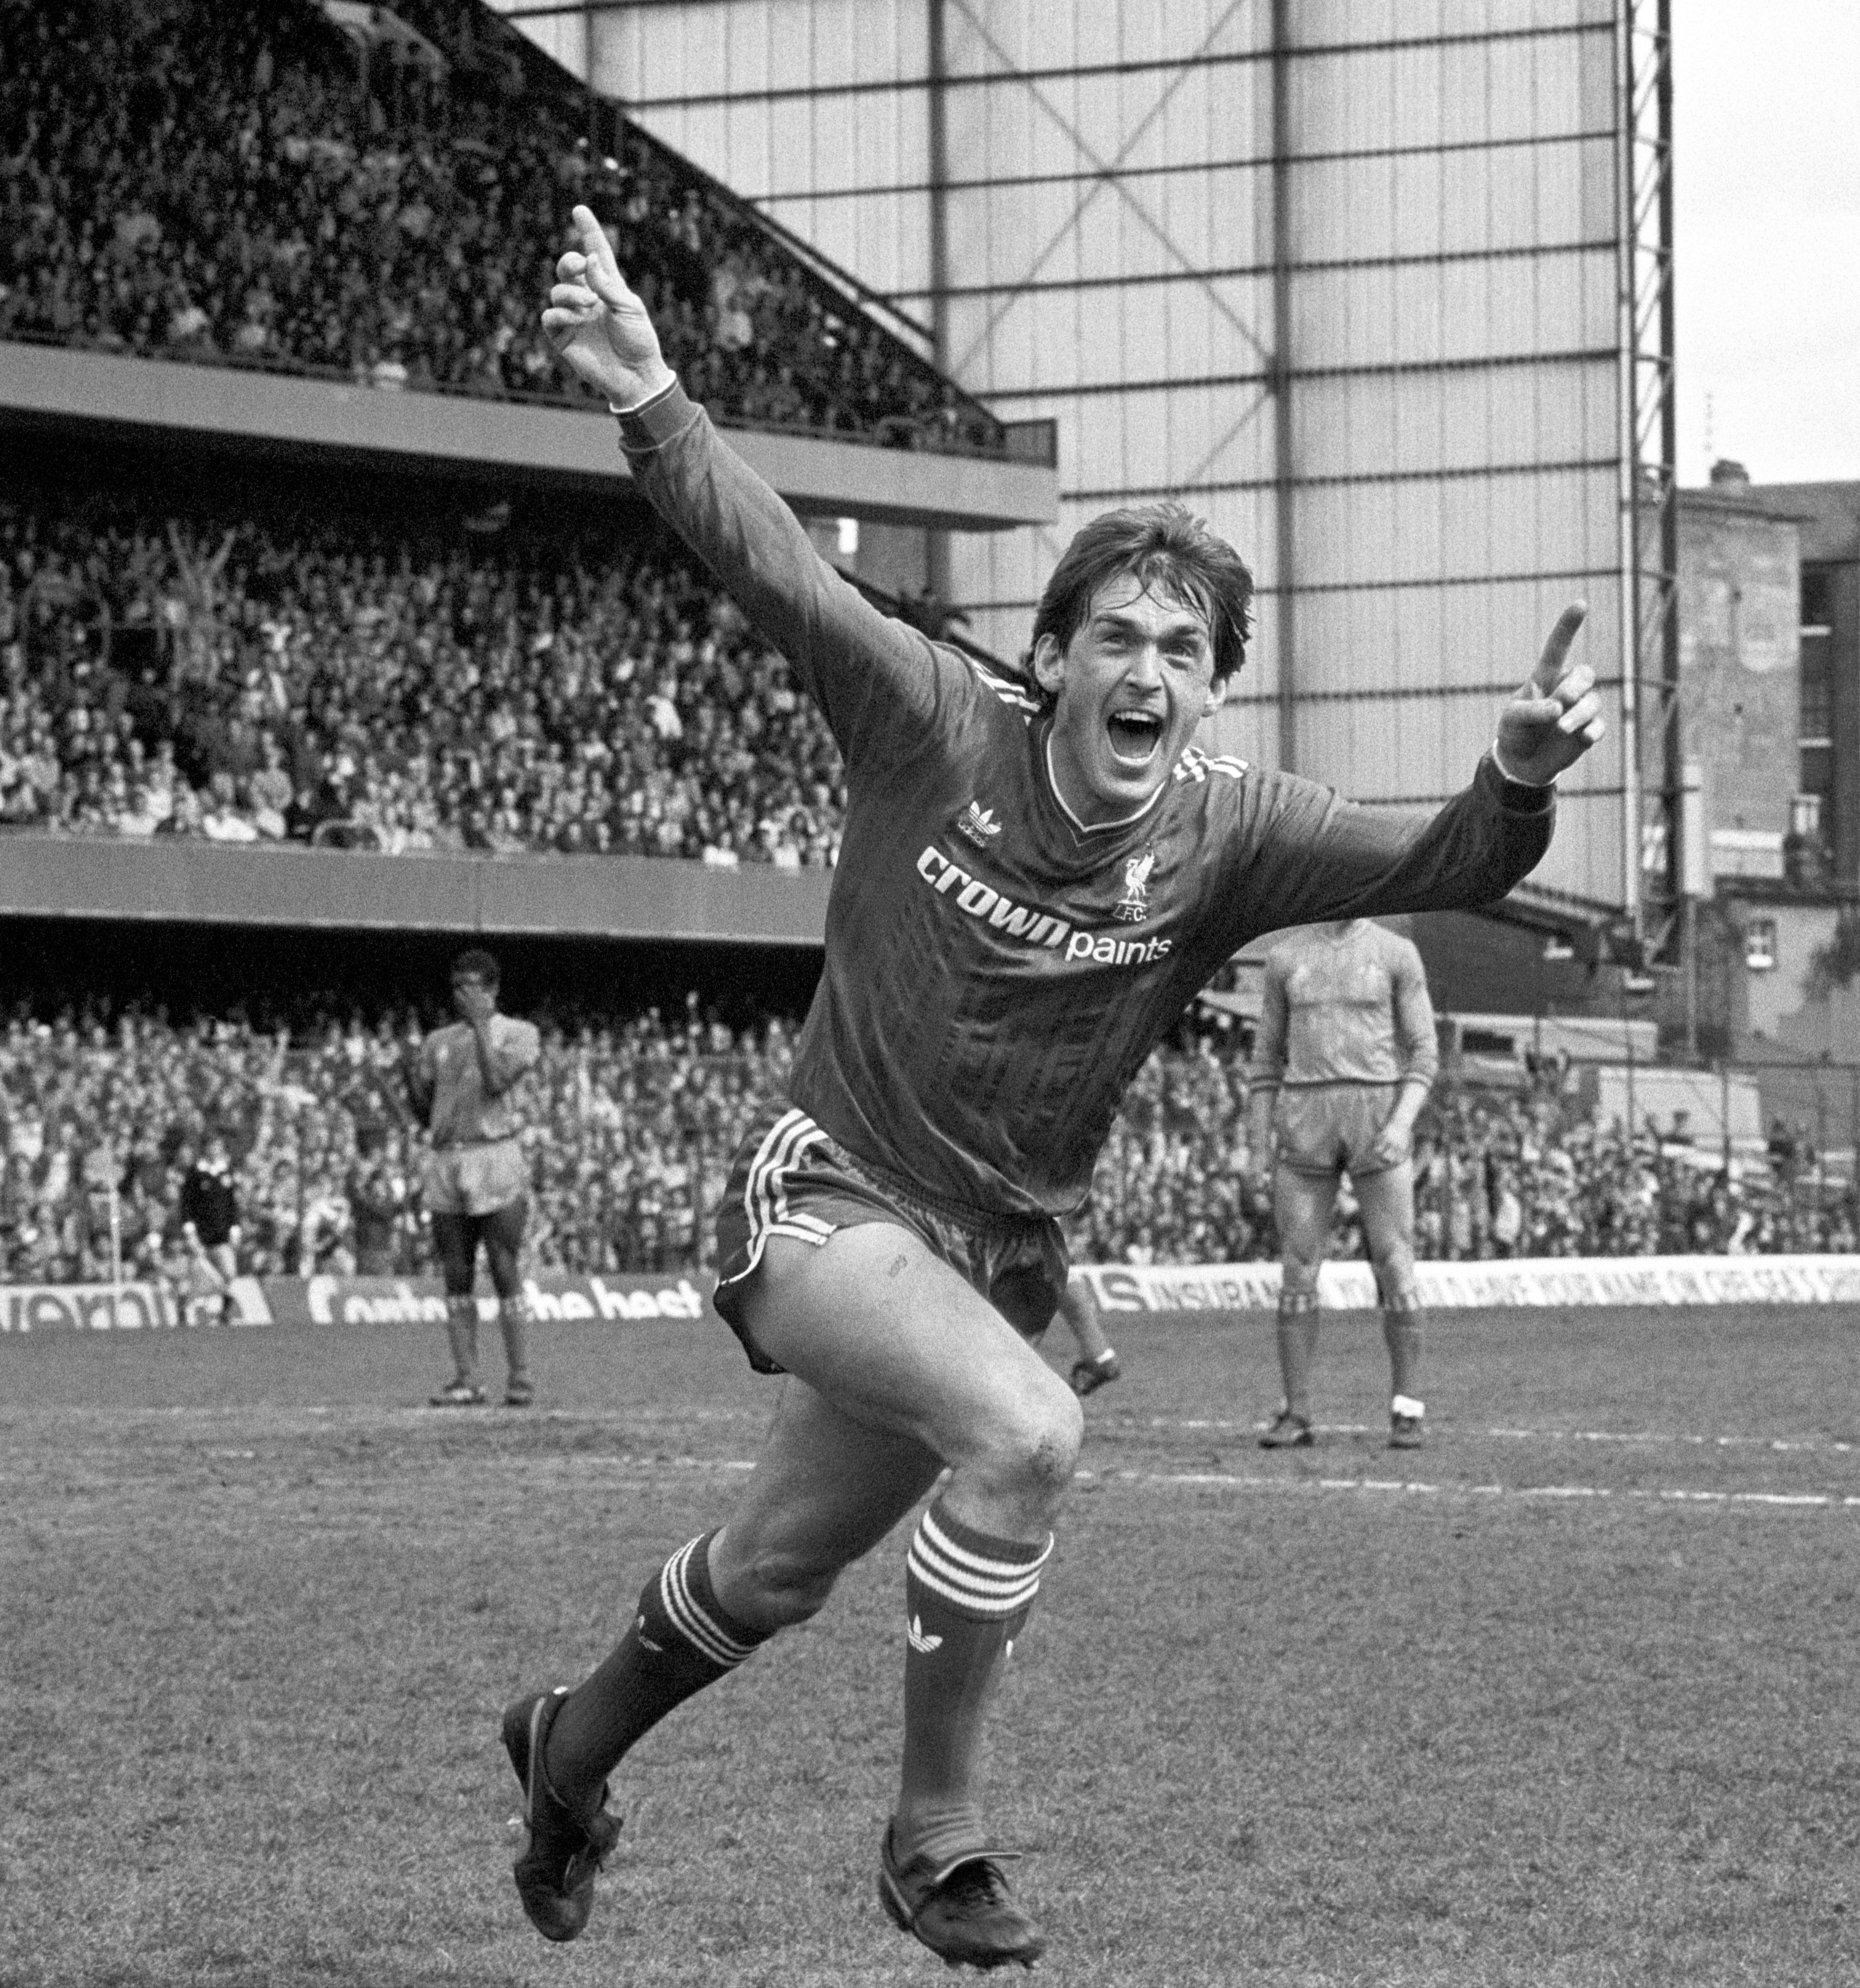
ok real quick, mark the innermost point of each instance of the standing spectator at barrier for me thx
(208, 1205)
(464, 1084)
(1345, 1059)
(1038, 873)
(376, 1191)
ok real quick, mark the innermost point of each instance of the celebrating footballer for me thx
(1038, 873)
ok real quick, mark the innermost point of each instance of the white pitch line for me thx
(1780, 1445)
(1222, 1480)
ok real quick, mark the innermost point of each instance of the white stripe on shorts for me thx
(765, 1198)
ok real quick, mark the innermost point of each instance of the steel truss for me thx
(1649, 477)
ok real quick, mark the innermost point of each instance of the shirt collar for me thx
(1092, 828)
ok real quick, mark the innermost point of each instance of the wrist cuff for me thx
(650, 423)
(1519, 797)
(1512, 780)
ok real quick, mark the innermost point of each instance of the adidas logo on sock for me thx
(919, 1641)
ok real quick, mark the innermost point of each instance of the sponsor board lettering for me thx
(421, 1300)
(86, 1308)
(1643, 1280)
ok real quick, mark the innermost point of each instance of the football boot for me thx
(1289, 1431)
(560, 1852)
(961, 1908)
(1407, 1433)
(1089, 1375)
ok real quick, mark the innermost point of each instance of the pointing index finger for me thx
(1555, 658)
(594, 243)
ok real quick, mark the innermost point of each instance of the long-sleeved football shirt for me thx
(997, 972)
(1348, 1006)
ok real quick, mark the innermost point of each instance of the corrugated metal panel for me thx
(1451, 218)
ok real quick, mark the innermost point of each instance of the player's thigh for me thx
(880, 1326)
(827, 1488)
(455, 1245)
(501, 1233)
(1385, 1206)
(1302, 1205)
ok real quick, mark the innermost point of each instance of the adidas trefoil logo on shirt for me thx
(978, 824)
(919, 1641)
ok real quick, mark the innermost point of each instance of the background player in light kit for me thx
(1346, 1053)
(465, 1083)
(1037, 875)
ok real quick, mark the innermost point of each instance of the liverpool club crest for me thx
(1134, 906)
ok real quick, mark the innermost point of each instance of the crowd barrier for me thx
(1211, 1287)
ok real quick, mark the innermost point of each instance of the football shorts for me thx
(477, 1179)
(790, 1178)
(1329, 1128)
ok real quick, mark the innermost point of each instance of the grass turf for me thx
(1564, 1698)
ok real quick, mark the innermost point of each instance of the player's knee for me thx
(791, 1589)
(1035, 1447)
(773, 1586)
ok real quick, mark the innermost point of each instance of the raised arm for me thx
(742, 530)
(1308, 855)
(416, 1077)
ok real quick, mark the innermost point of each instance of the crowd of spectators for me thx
(1498, 1173)
(132, 1119)
(633, 1129)
(463, 685)
(232, 179)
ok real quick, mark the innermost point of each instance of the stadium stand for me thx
(637, 1121)
(260, 671)
(251, 183)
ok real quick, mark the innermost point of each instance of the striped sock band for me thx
(976, 1574)
(691, 1609)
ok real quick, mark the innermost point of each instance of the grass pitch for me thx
(1566, 1698)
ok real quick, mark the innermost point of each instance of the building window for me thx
(1816, 726)
(1817, 599)
(1760, 944)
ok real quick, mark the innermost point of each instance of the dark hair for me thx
(475, 964)
(1163, 546)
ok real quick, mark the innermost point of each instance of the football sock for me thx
(1090, 1335)
(1402, 1320)
(461, 1334)
(967, 1596)
(1297, 1347)
(513, 1320)
(681, 1639)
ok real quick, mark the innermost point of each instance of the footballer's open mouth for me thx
(1134, 736)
